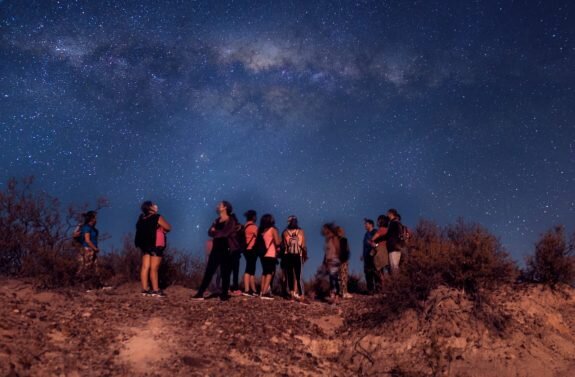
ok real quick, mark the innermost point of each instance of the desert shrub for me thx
(553, 261)
(355, 283)
(462, 256)
(318, 286)
(177, 267)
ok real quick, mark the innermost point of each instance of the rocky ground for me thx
(70, 332)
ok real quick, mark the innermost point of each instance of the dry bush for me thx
(177, 267)
(553, 261)
(318, 286)
(462, 256)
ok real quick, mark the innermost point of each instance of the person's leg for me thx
(211, 267)
(297, 275)
(343, 271)
(288, 274)
(226, 267)
(235, 271)
(154, 268)
(253, 283)
(144, 271)
(394, 258)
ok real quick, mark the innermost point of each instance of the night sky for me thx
(329, 110)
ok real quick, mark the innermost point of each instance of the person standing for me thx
(371, 277)
(394, 240)
(151, 229)
(344, 254)
(235, 257)
(251, 232)
(331, 259)
(271, 241)
(220, 230)
(380, 252)
(88, 270)
(293, 238)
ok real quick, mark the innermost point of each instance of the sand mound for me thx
(525, 332)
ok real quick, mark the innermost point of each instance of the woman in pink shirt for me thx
(271, 240)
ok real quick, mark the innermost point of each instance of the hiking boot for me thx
(267, 296)
(198, 296)
(146, 292)
(157, 294)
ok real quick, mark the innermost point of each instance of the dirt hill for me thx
(68, 332)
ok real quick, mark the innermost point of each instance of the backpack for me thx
(77, 234)
(344, 251)
(292, 245)
(260, 246)
(404, 234)
(237, 240)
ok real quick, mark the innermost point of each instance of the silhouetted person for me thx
(331, 259)
(271, 241)
(220, 230)
(251, 232)
(344, 254)
(151, 230)
(88, 270)
(372, 279)
(394, 241)
(293, 238)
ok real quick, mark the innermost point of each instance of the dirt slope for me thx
(112, 333)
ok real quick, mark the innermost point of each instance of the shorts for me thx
(154, 251)
(268, 265)
(251, 259)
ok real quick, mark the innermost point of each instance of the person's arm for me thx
(164, 224)
(381, 232)
(302, 234)
(212, 231)
(228, 229)
(89, 241)
(276, 237)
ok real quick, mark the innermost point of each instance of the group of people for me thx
(230, 240)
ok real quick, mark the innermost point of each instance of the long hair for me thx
(382, 221)
(146, 207)
(329, 229)
(229, 208)
(292, 223)
(394, 212)
(89, 216)
(267, 221)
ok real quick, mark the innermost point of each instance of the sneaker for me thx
(347, 295)
(267, 296)
(146, 292)
(157, 294)
(248, 294)
(198, 296)
(236, 293)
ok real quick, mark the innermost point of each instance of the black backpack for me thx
(260, 246)
(237, 241)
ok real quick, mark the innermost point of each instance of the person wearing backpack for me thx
(221, 230)
(395, 239)
(151, 229)
(269, 242)
(88, 270)
(237, 244)
(344, 254)
(251, 234)
(293, 239)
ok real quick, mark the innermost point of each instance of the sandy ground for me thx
(70, 332)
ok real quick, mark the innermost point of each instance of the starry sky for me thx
(329, 110)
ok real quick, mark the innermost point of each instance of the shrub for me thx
(462, 256)
(553, 261)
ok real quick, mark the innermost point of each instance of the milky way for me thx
(332, 111)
